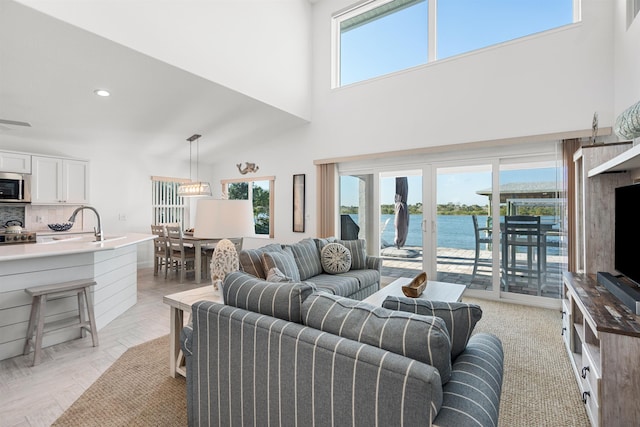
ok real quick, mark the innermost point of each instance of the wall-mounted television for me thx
(627, 236)
(627, 232)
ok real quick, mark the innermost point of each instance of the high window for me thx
(384, 36)
(633, 8)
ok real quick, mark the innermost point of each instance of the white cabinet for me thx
(58, 181)
(15, 162)
(602, 338)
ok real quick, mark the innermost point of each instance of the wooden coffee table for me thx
(180, 303)
(435, 291)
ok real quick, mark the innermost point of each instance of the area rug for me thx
(135, 391)
(539, 388)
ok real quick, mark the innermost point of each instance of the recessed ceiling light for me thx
(102, 92)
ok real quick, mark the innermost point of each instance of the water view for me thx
(454, 231)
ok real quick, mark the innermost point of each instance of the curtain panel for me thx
(326, 199)
(569, 147)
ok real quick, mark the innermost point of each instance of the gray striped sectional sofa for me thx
(288, 354)
(362, 279)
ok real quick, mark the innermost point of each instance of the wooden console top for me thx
(607, 313)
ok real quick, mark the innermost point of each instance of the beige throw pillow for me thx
(335, 258)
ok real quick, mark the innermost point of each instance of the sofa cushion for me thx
(358, 253)
(365, 277)
(283, 261)
(307, 258)
(335, 258)
(459, 317)
(423, 338)
(337, 284)
(275, 275)
(251, 259)
(321, 242)
(281, 300)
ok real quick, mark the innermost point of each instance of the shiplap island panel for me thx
(112, 264)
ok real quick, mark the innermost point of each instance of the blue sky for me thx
(399, 41)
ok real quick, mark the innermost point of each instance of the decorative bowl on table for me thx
(415, 288)
(61, 227)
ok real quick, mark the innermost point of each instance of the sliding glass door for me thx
(464, 242)
(452, 219)
(357, 209)
(401, 222)
(532, 220)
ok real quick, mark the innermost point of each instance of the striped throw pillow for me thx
(307, 258)
(358, 253)
(459, 317)
(282, 300)
(250, 260)
(283, 261)
(423, 338)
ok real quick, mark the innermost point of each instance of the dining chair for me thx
(182, 258)
(482, 236)
(160, 250)
(522, 234)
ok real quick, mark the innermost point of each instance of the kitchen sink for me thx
(80, 239)
(106, 239)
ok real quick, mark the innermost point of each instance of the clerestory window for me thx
(384, 36)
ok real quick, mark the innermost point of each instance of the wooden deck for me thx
(456, 266)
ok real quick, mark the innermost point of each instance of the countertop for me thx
(71, 244)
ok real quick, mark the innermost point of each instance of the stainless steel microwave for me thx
(15, 188)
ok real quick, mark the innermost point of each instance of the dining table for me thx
(198, 244)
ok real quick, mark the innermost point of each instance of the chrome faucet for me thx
(98, 231)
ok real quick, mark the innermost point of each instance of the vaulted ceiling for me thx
(49, 70)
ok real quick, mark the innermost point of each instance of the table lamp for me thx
(223, 219)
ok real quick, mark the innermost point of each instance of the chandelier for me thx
(195, 188)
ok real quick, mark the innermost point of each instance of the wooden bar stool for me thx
(38, 313)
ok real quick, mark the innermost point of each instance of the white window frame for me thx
(167, 207)
(633, 9)
(367, 5)
(358, 9)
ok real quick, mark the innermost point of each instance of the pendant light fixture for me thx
(195, 188)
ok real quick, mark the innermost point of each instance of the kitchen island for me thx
(112, 263)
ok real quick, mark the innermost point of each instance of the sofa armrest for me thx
(186, 335)
(472, 395)
(374, 263)
(247, 366)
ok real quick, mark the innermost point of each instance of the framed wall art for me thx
(298, 203)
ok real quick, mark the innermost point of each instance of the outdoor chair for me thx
(483, 236)
(522, 234)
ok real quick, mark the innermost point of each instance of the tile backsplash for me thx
(8, 213)
(36, 217)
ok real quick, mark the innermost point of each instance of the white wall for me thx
(627, 59)
(120, 181)
(543, 84)
(256, 47)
